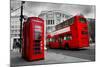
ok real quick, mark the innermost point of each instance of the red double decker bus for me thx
(72, 33)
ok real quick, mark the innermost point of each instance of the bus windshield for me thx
(82, 20)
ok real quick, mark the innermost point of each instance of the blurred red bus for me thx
(72, 33)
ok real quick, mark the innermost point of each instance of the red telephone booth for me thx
(33, 39)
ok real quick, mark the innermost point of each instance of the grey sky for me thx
(32, 8)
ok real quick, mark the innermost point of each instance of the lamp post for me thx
(21, 20)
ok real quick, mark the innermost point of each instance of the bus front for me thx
(83, 32)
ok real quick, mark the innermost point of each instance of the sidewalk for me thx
(50, 58)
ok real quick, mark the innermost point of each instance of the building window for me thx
(63, 15)
(18, 34)
(51, 21)
(48, 22)
(12, 26)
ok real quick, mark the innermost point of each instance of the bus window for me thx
(70, 21)
(50, 39)
(84, 33)
(60, 39)
(68, 37)
(65, 23)
(53, 39)
(85, 28)
(82, 20)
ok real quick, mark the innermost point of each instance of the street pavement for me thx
(56, 56)
(84, 53)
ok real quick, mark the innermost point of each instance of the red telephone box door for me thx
(38, 40)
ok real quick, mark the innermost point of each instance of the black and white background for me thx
(5, 33)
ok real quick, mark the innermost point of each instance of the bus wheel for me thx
(67, 46)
